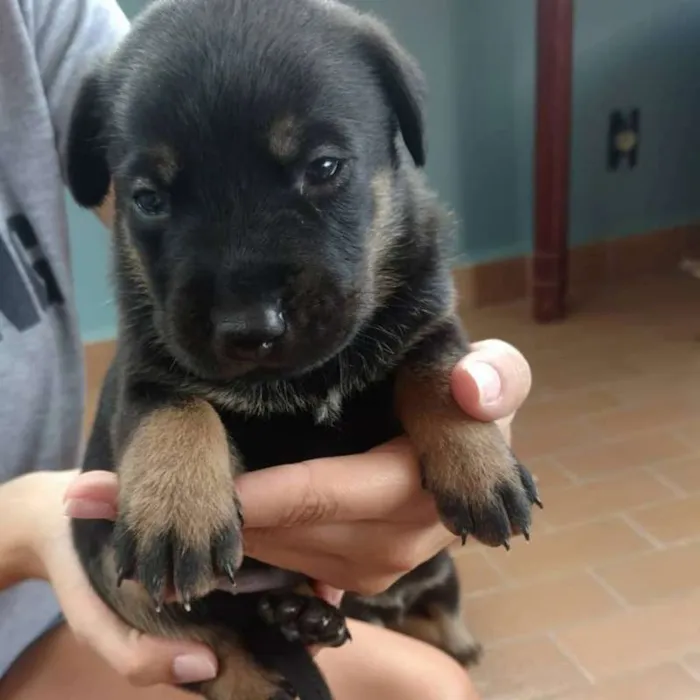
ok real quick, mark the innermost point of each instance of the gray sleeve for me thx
(69, 35)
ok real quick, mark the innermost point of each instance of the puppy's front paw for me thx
(481, 490)
(305, 618)
(172, 556)
(179, 526)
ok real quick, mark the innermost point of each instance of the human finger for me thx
(92, 495)
(366, 486)
(492, 381)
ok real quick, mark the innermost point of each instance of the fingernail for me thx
(487, 381)
(89, 510)
(193, 668)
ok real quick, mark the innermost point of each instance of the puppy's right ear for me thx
(402, 80)
(88, 173)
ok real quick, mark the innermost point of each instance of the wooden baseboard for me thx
(592, 266)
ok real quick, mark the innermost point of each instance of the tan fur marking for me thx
(129, 255)
(460, 456)
(382, 237)
(284, 138)
(444, 631)
(177, 474)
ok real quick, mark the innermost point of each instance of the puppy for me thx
(284, 293)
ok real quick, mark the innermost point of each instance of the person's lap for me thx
(377, 664)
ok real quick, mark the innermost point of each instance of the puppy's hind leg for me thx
(435, 618)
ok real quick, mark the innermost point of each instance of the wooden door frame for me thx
(549, 274)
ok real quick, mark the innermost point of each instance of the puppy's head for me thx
(257, 149)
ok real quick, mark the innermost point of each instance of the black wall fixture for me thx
(623, 139)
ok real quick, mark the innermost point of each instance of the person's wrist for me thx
(35, 501)
(21, 552)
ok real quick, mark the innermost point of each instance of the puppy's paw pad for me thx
(309, 620)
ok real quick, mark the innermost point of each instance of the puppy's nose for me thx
(249, 332)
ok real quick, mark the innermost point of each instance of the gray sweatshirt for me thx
(46, 46)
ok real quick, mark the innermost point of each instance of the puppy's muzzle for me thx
(249, 332)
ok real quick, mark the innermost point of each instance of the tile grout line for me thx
(668, 483)
(636, 527)
(571, 658)
(610, 589)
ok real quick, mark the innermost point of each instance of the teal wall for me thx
(646, 54)
(479, 57)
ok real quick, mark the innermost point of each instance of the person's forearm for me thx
(15, 531)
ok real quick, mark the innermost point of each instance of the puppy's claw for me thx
(464, 538)
(506, 546)
(230, 573)
(529, 484)
(526, 534)
(539, 503)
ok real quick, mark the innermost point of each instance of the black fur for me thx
(185, 109)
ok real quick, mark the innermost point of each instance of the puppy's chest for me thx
(364, 421)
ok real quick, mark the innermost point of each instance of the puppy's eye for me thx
(322, 170)
(149, 203)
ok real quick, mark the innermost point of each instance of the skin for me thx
(349, 498)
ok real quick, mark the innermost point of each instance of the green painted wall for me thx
(479, 58)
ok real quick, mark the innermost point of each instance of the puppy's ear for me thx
(402, 81)
(88, 173)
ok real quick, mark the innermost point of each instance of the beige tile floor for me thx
(604, 603)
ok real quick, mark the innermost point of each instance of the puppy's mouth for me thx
(269, 367)
(226, 356)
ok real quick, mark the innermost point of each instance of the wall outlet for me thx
(623, 139)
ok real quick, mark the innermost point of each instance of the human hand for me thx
(359, 522)
(142, 659)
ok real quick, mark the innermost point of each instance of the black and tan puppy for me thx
(284, 293)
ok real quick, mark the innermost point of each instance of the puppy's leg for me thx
(424, 604)
(179, 519)
(435, 616)
(302, 616)
(479, 487)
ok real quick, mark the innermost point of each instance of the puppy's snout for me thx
(249, 332)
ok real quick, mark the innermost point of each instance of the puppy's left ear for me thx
(402, 81)
(88, 173)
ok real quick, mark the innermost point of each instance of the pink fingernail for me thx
(193, 668)
(488, 382)
(89, 510)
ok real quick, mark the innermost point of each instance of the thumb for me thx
(492, 381)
